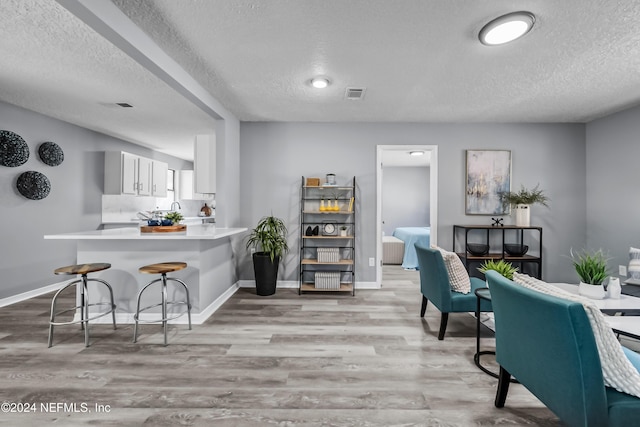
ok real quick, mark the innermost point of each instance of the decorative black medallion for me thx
(51, 153)
(33, 185)
(13, 150)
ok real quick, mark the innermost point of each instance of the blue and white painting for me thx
(488, 176)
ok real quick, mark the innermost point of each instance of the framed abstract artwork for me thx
(488, 176)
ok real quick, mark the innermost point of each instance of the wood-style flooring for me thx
(284, 360)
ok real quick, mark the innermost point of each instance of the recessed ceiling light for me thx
(319, 82)
(506, 28)
(416, 153)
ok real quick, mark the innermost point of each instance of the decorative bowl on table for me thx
(477, 249)
(515, 249)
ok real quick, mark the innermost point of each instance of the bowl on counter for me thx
(515, 249)
(477, 249)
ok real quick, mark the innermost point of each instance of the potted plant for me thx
(174, 217)
(343, 231)
(501, 266)
(521, 202)
(592, 269)
(269, 239)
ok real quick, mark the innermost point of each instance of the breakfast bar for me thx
(208, 251)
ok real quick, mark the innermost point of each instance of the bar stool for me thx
(162, 268)
(83, 270)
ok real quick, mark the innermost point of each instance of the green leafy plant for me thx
(269, 236)
(175, 217)
(591, 266)
(501, 266)
(525, 197)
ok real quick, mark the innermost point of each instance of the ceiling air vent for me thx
(355, 93)
(124, 105)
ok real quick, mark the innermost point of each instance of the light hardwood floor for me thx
(284, 360)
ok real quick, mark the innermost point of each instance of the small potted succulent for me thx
(173, 217)
(592, 269)
(343, 231)
(503, 267)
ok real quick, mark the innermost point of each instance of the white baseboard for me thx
(284, 284)
(31, 294)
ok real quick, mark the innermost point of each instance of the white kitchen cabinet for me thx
(127, 165)
(126, 173)
(144, 176)
(186, 187)
(159, 172)
(204, 164)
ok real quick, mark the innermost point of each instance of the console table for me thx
(496, 237)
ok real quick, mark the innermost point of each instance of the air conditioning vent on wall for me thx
(355, 93)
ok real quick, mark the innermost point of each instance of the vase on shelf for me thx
(523, 215)
(591, 291)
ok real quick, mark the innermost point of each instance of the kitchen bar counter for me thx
(194, 232)
(209, 251)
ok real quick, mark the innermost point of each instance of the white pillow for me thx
(633, 271)
(458, 276)
(618, 372)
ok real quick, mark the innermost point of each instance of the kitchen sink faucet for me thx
(175, 203)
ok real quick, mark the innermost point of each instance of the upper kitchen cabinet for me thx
(126, 173)
(159, 171)
(204, 164)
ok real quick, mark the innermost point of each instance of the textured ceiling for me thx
(419, 60)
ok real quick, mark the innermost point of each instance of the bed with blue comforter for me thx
(411, 235)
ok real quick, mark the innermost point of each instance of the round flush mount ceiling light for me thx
(506, 28)
(416, 153)
(320, 82)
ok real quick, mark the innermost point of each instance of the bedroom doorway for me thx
(398, 158)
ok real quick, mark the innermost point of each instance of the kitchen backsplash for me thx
(119, 208)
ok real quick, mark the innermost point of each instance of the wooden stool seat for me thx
(82, 268)
(163, 267)
(82, 290)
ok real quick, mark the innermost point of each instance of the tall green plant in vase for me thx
(521, 201)
(591, 267)
(269, 240)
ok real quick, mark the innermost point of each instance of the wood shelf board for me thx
(327, 212)
(498, 256)
(315, 262)
(344, 287)
(328, 237)
(328, 187)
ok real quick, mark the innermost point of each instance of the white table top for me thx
(625, 303)
(194, 232)
(626, 325)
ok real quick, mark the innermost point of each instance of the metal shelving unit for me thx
(318, 216)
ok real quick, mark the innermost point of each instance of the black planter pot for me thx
(266, 273)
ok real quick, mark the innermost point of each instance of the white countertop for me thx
(194, 232)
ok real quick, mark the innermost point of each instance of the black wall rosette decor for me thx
(51, 153)
(33, 185)
(13, 150)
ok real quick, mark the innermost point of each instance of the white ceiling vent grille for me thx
(355, 93)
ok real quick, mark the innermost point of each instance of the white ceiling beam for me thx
(110, 22)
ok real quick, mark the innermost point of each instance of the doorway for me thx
(400, 156)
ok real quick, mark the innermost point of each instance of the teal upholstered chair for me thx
(435, 287)
(548, 345)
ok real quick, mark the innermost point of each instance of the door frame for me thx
(433, 196)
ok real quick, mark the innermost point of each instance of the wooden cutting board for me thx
(163, 228)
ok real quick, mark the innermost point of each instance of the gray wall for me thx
(274, 156)
(27, 260)
(613, 193)
(405, 197)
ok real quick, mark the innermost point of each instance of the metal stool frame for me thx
(164, 279)
(84, 308)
